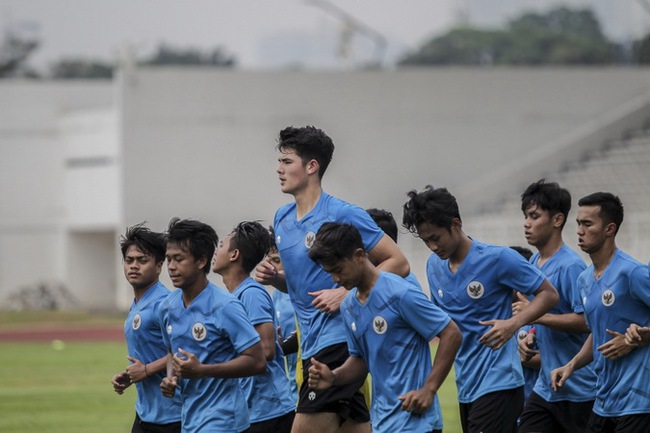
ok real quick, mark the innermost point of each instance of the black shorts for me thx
(140, 426)
(541, 416)
(620, 424)
(496, 412)
(346, 400)
(281, 424)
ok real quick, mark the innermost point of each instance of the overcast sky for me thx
(267, 33)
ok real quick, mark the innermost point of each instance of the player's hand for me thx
(320, 375)
(559, 376)
(328, 300)
(520, 304)
(266, 273)
(498, 335)
(188, 368)
(525, 351)
(417, 401)
(136, 370)
(121, 381)
(636, 335)
(616, 347)
(168, 386)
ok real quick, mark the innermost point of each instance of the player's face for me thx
(538, 225)
(591, 229)
(221, 258)
(184, 270)
(292, 172)
(140, 268)
(439, 240)
(346, 273)
(274, 258)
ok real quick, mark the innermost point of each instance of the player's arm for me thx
(139, 371)
(502, 330)
(250, 362)
(268, 338)
(389, 257)
(321, 377)
(582, 358)
(420, 400)
(636, 335)
(569, 322)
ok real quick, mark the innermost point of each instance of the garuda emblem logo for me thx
(199, 332)
(379, 325)
(475, 290)
(521, 334)
(309, 239)
(608, 298)
(137, 321)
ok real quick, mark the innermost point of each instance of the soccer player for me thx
(615, 291)
(143, 254)
(384, 311)
(207, 330)
(562, 331)
(268, 395)
(473, 282)
(305, 154)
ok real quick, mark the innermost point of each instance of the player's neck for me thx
(370, 276)
(602, 258)
(191, 291)
(458, 257)
(306, 199)
(549, 248)
(233, 277)
(138, 292)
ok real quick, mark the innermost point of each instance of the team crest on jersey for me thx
(522, 334)
(309, 239)
(137, 321)
(608, 298)
(475, 289)
(379, 325)
(199, 332)
(354, 327)
(312, 396)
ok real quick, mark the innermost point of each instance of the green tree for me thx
(167, 55)
(80, 68)
(560, 37)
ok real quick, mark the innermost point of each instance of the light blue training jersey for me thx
(268, 395)
(285, 318)
(480, 290)
(621, 296)
(216, 329)
(293, 239)
(391, 333)
(556, 347)
(144, 342)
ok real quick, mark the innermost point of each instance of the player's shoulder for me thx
(251, 288)
(284, 210)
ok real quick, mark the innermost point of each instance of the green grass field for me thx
(69, 390)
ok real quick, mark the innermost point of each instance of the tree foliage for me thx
(167, 55)
(81, 68)
(560, 37)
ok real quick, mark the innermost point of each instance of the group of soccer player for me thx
(209, 359)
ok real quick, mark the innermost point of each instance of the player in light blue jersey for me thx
(615, 291)
(207, 330)
(143, 254)
(473, 282)
(389, 324)
(305, 154)
(561, 332)
(268, 395)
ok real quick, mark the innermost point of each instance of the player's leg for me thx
(496, 412)
(323, 422)
(538, 417)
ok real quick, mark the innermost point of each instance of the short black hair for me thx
(309, 143)
(335, 242)
(436, 206)
(385, 221)
(253, 241)
(611, 207)
(548, 196)
(147, 241)
(523, 251)
(195, 237)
